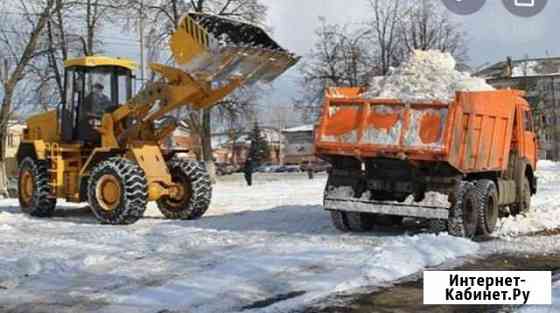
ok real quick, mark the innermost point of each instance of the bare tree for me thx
(341, 58)
(384, 25)
(395, 28)
(19, 40)
(71, 31)
(428, 26)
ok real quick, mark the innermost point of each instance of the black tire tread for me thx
(338, 219)
(135, 187)
(201, 191)
(484, 188)
(519, 207)
(437, 226)
(359, 222)
(456, 226)
(43, 203)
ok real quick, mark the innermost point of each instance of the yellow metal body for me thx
(130, 131)
(96, 61)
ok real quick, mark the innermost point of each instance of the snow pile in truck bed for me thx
(426, 76)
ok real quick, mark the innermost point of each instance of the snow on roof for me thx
(522, 68)
(304, 128)
(540, 67)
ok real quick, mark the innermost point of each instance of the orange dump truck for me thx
(459, 165)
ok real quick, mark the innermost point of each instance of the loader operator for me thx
(95, 104)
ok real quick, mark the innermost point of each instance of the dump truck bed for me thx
(472, 134)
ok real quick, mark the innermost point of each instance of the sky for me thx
(493, 34)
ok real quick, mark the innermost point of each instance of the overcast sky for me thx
(493, 33)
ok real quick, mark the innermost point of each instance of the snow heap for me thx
(426, 76)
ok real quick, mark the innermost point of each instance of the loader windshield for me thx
(105, 89)
(93, 91)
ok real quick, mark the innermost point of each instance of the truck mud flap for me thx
(386, 208)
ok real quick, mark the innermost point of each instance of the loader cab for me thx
(93, 86)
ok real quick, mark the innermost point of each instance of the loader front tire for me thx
(118, 192)
(196, 191)
(463, 214)
(34, 190)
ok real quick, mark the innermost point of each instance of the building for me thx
(298, 145)
(15, 135)
(540, 78)
(182, 139)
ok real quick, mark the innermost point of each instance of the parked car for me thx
(223, 169)
(289, 169)
(262, 169)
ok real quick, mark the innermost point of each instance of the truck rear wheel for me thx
(338, 219)
(525, 204)
(437, 226)
(388, 220)
(196, 191)
(463, 214)
(118, 191)
(34, 190)
(487, 196)
(360, 222)
(353, 221)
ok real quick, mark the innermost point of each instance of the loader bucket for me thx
(216, 49)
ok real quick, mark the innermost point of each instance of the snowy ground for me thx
(256, 244)
(546, 205)
(269, 248)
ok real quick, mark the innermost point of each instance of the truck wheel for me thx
(463, 214)
(360, 222)
(525, 205)
(487, 195)
(118, 191)
(195, 195)
(437, 226)
(387, 220)
(34, 189)
(338, 219)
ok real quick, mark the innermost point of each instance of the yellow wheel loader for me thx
(102, 144)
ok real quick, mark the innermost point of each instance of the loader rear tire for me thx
(197, 191)
(463, 214)
(118, 192)
(34, 190)
(487, 194)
